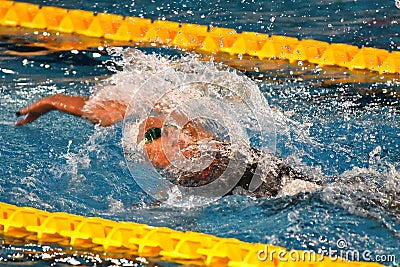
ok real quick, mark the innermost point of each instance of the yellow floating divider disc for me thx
(219, 40)
(131, 29)
(338, 54)
(103, 25)
(5, 6)
(308, 50)
(76, 21)
(391, 64)
(162, 32)
(17, 13)
(191, 36)
(47, 17)
(278, 47)
(368, 57)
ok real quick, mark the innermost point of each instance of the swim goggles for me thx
(152, 134)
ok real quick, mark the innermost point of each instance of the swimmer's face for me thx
(160, 144)
(156, 154)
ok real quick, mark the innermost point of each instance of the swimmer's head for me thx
(161, 140)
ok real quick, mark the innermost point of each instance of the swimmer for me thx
(118, 97)
(107, 112)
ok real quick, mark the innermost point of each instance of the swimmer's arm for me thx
(105, 113)
(68, 104)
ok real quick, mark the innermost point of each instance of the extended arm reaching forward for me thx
(104, 113)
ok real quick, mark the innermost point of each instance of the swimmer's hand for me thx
(68, 104)
(34, 111)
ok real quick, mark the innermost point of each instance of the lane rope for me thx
(197, 37)
(146, 241)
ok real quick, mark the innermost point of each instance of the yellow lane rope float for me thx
(147, 241)
(197, 37)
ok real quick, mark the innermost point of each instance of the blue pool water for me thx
(342, 125)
